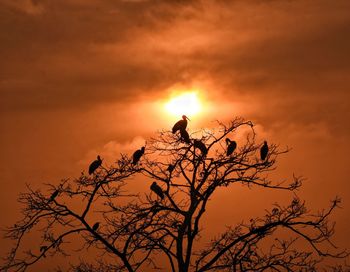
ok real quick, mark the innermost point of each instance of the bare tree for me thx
(136, 230)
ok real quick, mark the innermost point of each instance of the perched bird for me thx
(95, 226)
(263, 151)
(231, 146)
(185, 136)
(201, 146)
(181, 125)
(137, 155)
(170, 168)
(156, 188)
(54, 195)
(94, 165)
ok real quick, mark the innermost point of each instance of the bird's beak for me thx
(188, 118)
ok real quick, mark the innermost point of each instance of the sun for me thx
(187, 103)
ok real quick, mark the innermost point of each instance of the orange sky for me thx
(81, 77)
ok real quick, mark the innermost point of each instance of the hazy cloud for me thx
(85, 77)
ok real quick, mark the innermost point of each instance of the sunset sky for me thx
(85, 77)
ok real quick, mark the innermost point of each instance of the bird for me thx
(137, 155)
(201, 146)
(95, 226)
(156, 188)
(54, 195)
(94, 165)
(263, 151)
(170, 168)
(181, 125)
(185, 136)
(231, 146)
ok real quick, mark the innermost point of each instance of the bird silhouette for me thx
(201, 146)
(231, 146)
(170, 168)
(95, 226)
(185, 136)
(94, 165)
(181, 125)
(54, 195)
(263, 151)
(156, 188)
(137, 155)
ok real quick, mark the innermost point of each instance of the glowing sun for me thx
(186, 103)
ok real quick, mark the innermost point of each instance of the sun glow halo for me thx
(185, 103)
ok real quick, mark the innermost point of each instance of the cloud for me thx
(80, 78)
(30, 7)
(288, 56)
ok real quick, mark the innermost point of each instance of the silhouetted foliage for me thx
(134, 230)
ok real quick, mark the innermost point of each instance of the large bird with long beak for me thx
(185, 136)
(231, 146)
(94, 165)
(181, 125)
(137, 155)
(263, 151)
(157, 189)
(201, 146)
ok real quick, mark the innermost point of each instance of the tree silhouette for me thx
(135, 230)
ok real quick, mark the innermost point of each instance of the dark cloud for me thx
(289, 56)
(118, 49)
